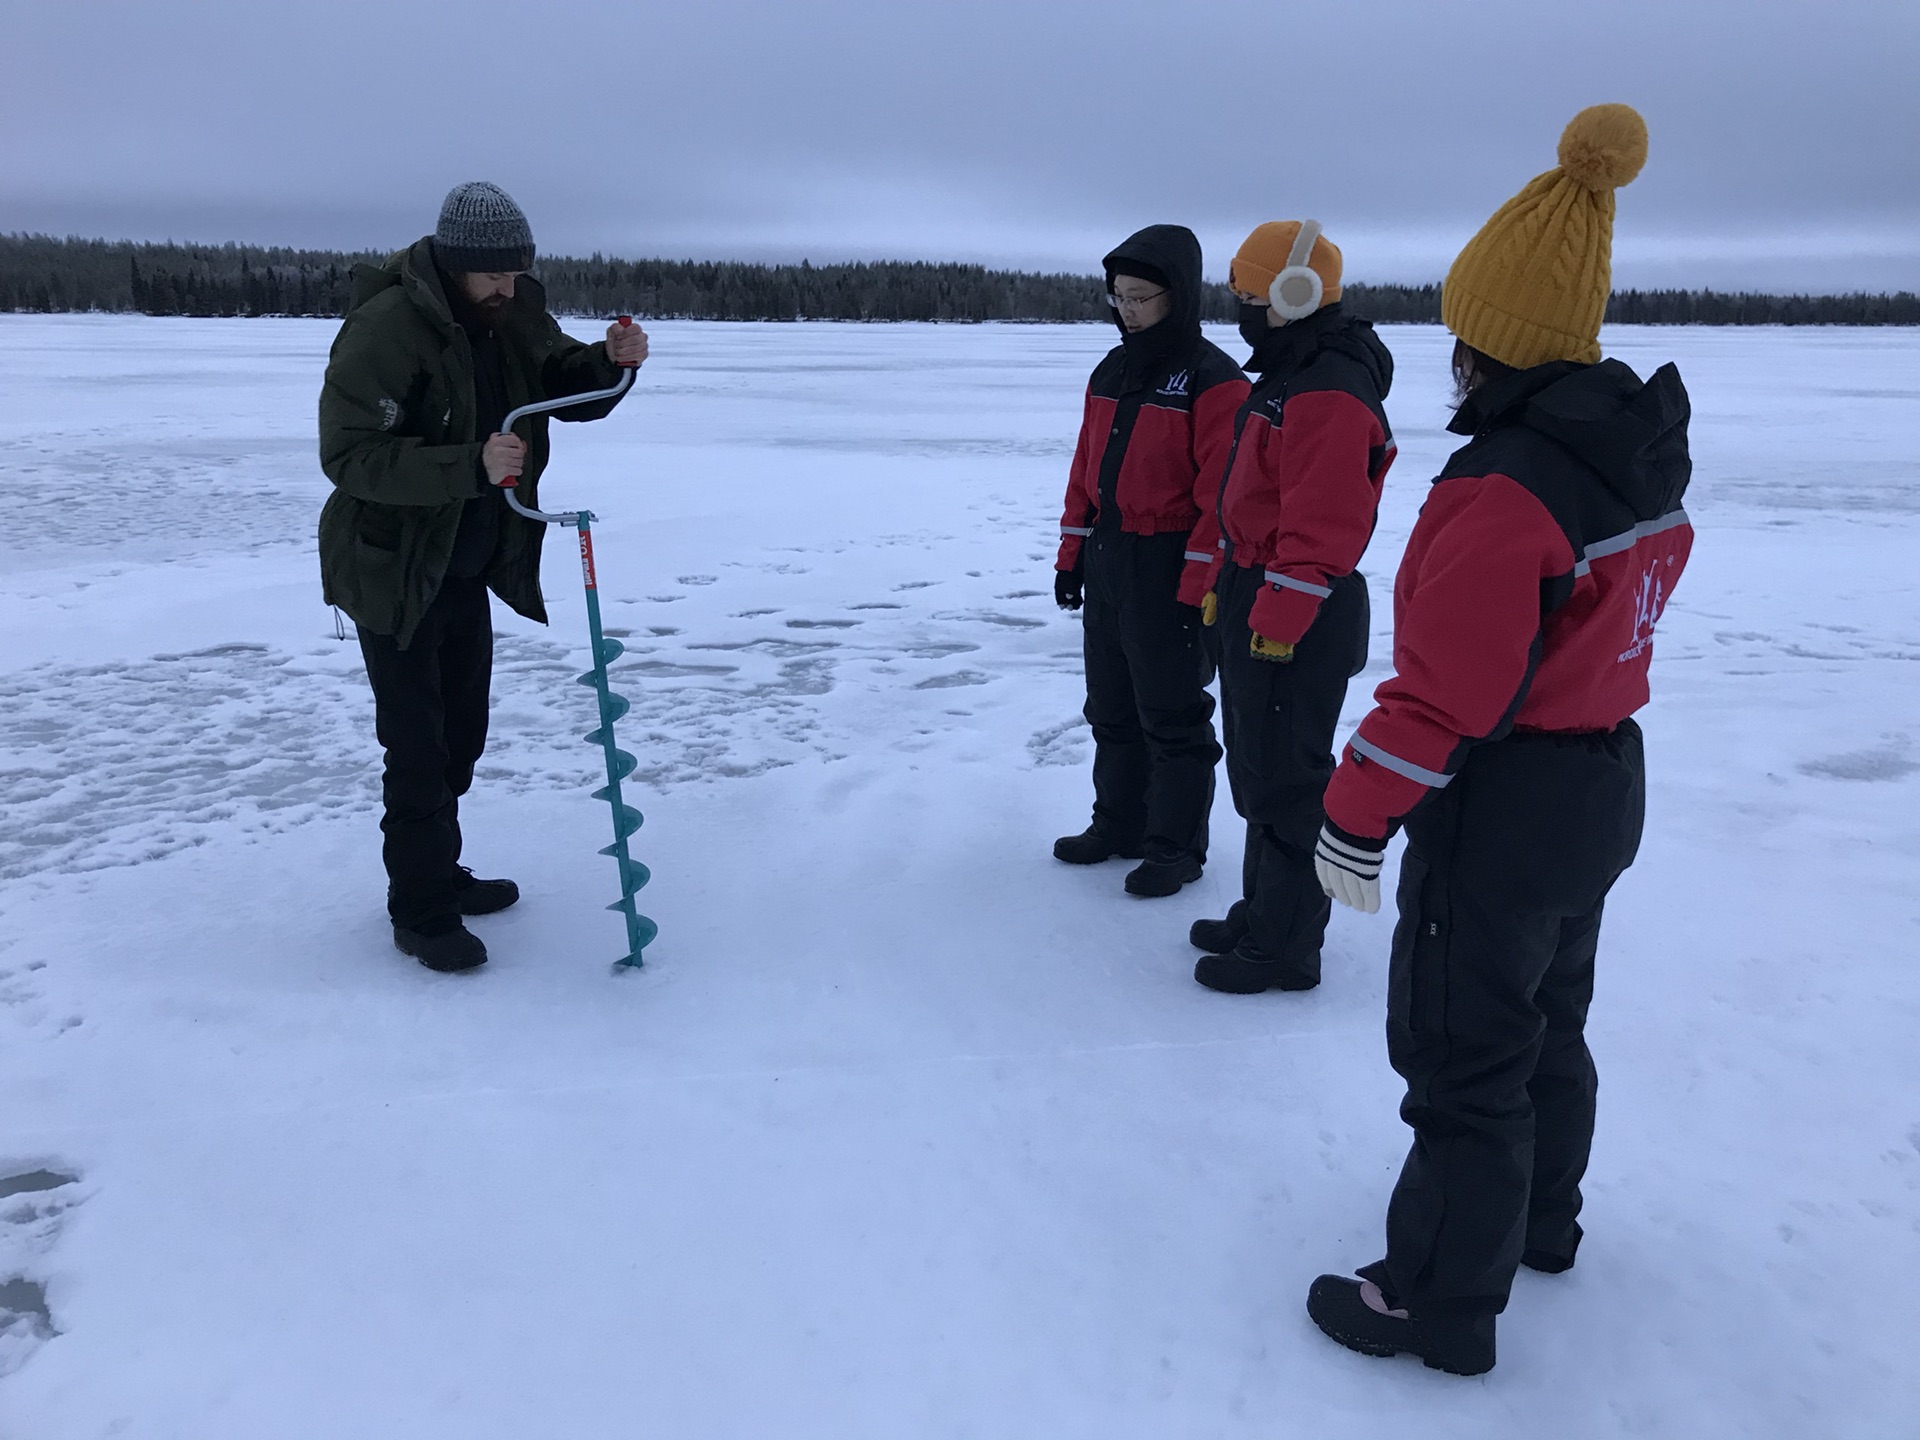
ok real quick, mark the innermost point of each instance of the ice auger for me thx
(626, 819)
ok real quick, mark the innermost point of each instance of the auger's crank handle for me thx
(565, 402)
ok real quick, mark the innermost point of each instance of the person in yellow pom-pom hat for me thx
(1524, 616)
(1311, 448)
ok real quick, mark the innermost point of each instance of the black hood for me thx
(1174, 251)
(1633, 434)
(1288, 349)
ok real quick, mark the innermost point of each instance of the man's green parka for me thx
(397, 440)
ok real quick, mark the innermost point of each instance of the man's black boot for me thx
(449, 948)
(1094, 846)
(1217, 937)
(1161, 875)
(1246, 971)
(1458, 1344)
(474, 896)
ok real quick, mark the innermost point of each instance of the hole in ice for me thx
(31, 1181)
(663, 669)
(821, 624)
(877, 605)
(940, 649)
(916, 585)
(755, 614)
(215, 651)
(1888, 763)
(992, 617)
(1020, 595)
(696, 579)
(26, 1300)
(957, 678)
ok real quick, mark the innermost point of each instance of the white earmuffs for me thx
(1296, 291)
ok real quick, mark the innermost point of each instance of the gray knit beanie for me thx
(481, 230)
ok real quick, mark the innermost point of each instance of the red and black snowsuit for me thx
(1311, 452)
(1524, 614)
(1153, 444)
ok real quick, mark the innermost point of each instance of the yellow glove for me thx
(1265, 649)
(1209, 608)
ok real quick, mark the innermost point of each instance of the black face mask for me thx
(1253, 324)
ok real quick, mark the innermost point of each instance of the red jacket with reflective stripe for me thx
(1156, 452)
(1311, 453)
(1531, 586)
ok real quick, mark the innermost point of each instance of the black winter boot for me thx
(1457, 1344)
(1217, 937)
(447, 949)
(1093, 846)
(1161, 875)
(475, 896)
(1245, 971)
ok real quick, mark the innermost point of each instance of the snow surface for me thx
(905, 1130)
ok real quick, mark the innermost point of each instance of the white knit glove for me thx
(1349, 871)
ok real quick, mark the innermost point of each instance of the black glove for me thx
(1067, 586)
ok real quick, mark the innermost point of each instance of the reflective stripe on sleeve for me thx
(1627, 539)
(1287, 582)
(1394, 763)
(1076, 530)
(1203, 557)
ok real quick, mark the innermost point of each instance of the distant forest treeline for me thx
(45, 274)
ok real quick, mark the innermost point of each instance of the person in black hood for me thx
(1296, 511)
(1153, 445)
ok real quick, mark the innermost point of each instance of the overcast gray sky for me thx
(1036, 134)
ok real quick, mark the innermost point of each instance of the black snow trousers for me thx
(1280, 722)
(430, 713)
(1501, 889)
(1154, 750)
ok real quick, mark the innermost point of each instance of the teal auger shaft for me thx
(641, 931)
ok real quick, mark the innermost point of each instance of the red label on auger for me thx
(586, 559)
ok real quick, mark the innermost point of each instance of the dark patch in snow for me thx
(957, 678)
(993, 617)
(1887, 763)
(25, 1301)
(32, 1182)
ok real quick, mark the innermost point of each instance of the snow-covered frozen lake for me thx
(905, 1130)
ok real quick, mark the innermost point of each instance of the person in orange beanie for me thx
(1524, 615)
(1294, 515)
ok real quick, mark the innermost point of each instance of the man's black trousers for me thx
(1501, 888)
(1147, 667)
(1280, 722)
(430, 713)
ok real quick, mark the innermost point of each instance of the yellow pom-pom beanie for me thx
(1532, 286)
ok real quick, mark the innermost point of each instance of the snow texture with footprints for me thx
(904, 1129)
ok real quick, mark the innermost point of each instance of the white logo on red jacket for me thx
(1648, 603)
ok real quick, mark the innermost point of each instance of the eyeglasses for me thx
(1131, 302)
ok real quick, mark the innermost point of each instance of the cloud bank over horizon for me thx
(1027, 135)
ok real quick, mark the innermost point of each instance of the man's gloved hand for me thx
(1067, 589)
(1349, 869)
(1209, 608)
(1262, 648)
